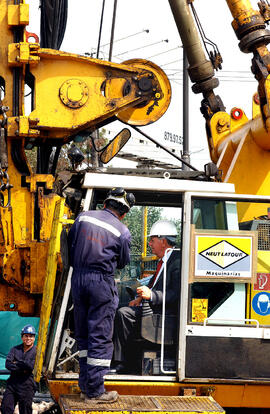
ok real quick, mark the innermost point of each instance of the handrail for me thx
(61, 318)
(163, 316)
(243, 321)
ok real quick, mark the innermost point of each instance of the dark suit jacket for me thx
(172, 286)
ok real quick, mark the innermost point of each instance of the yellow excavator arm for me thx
(70, 93)
(239, 146)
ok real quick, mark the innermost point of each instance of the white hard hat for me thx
(163, 228)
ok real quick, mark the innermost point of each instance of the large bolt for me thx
(222, 124)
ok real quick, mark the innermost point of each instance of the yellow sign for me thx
(199, 310)
(227, 255)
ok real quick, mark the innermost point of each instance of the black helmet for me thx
(75, 155)
(121, 196)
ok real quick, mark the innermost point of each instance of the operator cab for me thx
(148, 353)
(224, 292)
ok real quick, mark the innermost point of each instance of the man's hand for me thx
(135, 302)
(144, 292)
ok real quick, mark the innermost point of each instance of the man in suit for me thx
(127, 321)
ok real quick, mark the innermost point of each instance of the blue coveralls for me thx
(20, 385)
(98, 244)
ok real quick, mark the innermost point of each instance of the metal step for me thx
(72, 404)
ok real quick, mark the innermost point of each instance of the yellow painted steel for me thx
(86, 91)
(243, 13)
(18, 15)
(144, 235)
(158, 105)
(239, 146)
(248, 301)
(242, 161)
(48, 290)
(22, 257)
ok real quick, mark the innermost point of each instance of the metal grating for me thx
(263, 236)
(71, 404)
(187, 404)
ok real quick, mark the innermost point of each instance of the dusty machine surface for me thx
(217, 345)
(144, 404)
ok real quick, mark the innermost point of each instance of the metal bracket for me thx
(67, 342)
(23, 53)
(40, 178)
(18, 15)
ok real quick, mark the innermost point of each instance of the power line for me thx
(126, 37)
(165, 64)
(222, 80)
(222, 76)
(142, 47)
(223, 71)
(238, 71)
(172, 74)
(236, 76)
(239, 80)
(179, 70)
(175, 81)
(166, 51)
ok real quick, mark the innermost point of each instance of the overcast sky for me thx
(237, 84)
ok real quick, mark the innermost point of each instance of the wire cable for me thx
(127, 37)
(142, 47)
(166, 51)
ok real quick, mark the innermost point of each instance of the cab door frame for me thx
(184, 326)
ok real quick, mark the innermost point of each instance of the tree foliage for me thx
(83, 141)
(134, 221)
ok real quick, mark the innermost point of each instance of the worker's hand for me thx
(144, 292)
(20, 364)
(135, 302)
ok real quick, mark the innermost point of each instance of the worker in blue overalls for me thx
(21, 385)
(98, 244)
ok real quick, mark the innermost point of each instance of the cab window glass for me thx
(209, 214)
(142, 265)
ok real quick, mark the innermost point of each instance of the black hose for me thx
(53, 23)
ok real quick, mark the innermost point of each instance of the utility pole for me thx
(95, 135)
(112, 29)
(185, 154)
(100, 27)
